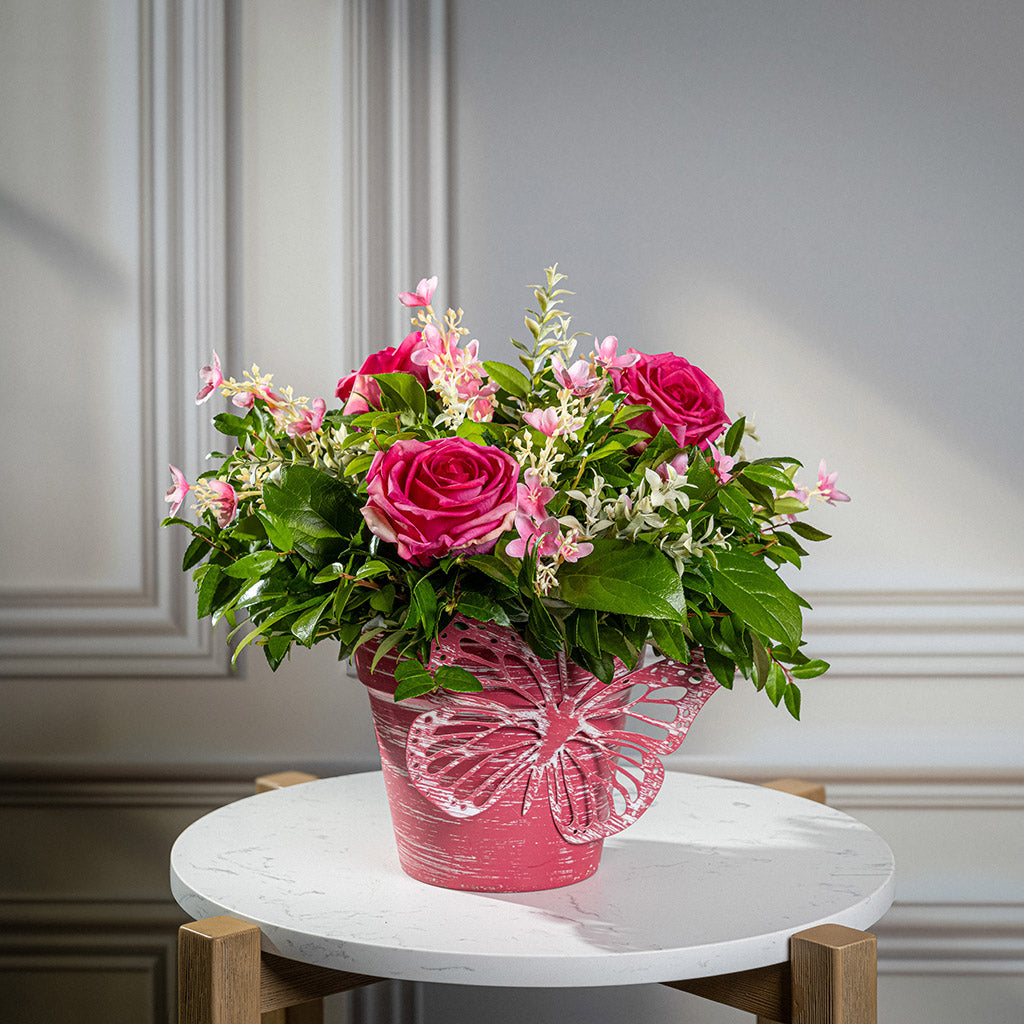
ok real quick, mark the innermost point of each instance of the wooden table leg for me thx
(219, 972)
(834, 976)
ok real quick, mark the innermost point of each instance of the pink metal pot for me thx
(515, 788)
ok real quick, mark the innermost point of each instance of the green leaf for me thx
(809, 532)
(195, 553)
(583, 625)
(671, 640)
(541, 631)
(304, 627)
(630, 579)
(231, 426)
(762, 661)
(375, 567)
(491, 565)
(792, 698)
(359, 465)
(253, 565)
(207, 590)
(777, 684)
(810, 669)
(277, 533)
(768, 476)
(748, 587)
(414, 686)
(734, 437)
(275, 650)
(508, 378)
(422, 606)
(452, 677)
(721, 667)
(602, 665)
(264, 627)
(330, 572)
(733, 500)
(320, 511)
(482, 608)
(787, 506)
(403, 391)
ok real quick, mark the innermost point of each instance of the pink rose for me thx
(431, 498)
(684, 399)
(361, 393)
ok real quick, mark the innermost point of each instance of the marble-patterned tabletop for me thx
(714, 878)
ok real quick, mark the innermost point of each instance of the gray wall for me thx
(820, 204)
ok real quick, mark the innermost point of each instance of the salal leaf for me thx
(629, 579)
(810, 669)
(751, 589)
(319, 510)
(452, 677)
(768, 476)
(482, 608)
(809, 532)
(304, 627)
(402, 391)
(508, 378)
(734, 437)
(253, 565)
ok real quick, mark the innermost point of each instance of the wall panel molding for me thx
(182, 303)
(395, 162)
(961, 633)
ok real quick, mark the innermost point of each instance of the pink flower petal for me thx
(177, 491)
(423, 294)
(212, 379)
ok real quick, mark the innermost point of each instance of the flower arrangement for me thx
(594, 505)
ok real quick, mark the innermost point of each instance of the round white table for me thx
(714, 878)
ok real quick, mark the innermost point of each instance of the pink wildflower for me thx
(225, 504)
(244, 400)
(532, 496)
(605, 354)
(547, 421)
(680, 464)
(435, 350)
(722, 464)
(309, 421)
(423, 294)
(578, 378)
(540, 537)
(826, 488)
(482, 409)
(212, 379)
(177, 491)
(572, 549)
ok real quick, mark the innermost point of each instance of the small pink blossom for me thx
(578, 378)
(552, 422)
(212, 379)
(225, 503)
(310, 420)
(541, 537)
(177, 491)
(482, 409)
(547, 421)
(572, 549)
(423, 294)
(532, 496)
(722, 464)
(435, 348)
(826, 488)
(244, 400)
(680, 464)
(605, 354)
